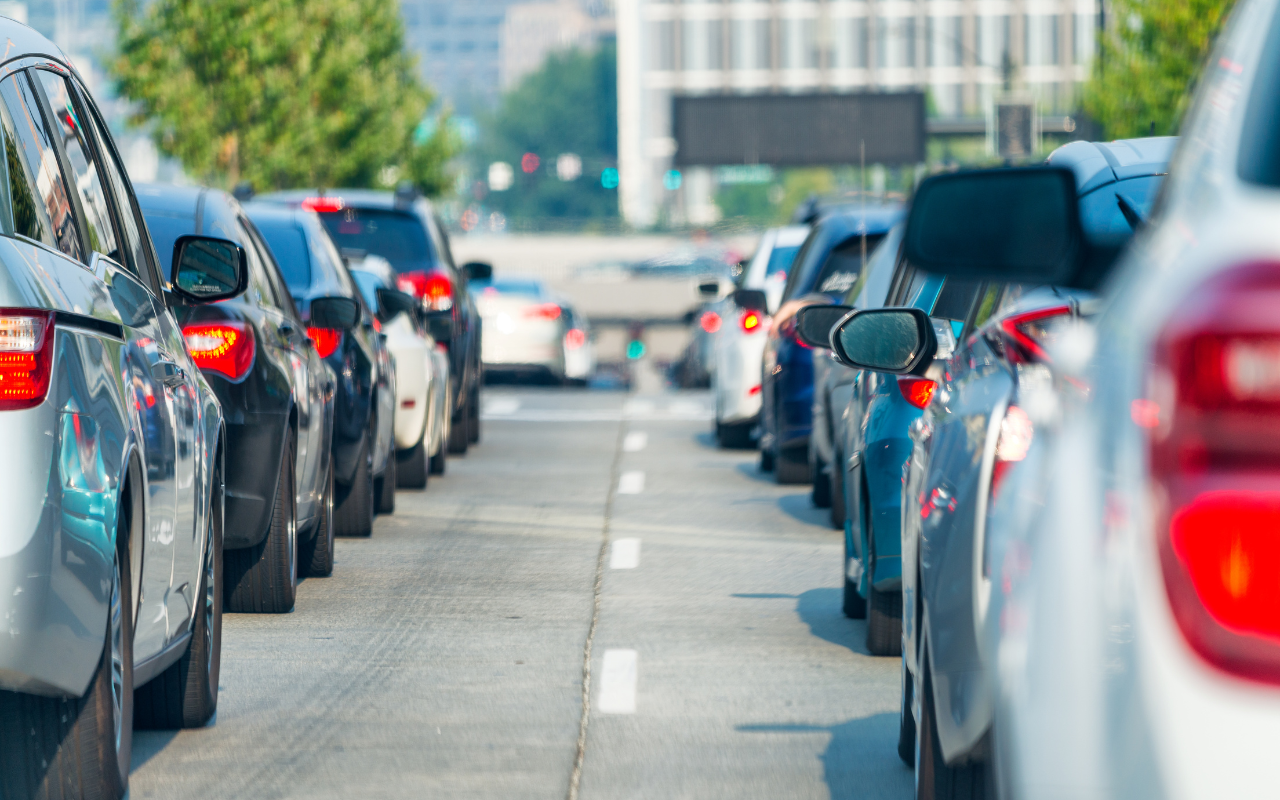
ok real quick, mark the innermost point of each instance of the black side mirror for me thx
(477, 271)
(392, 303)
(342, 313)
(709, 287)
(207, 269)
(1019, 225)
(900, 341)
(814, 323)
(751, 300)
(440, 326)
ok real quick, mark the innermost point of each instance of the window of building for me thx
(1041, 39)
(1086, 27)
(992, 40)
(799, 44)
(946, 41)
(849, 45)
(896, 42)
(663, 46)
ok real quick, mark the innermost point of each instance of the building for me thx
(963, 53)
(532, 31)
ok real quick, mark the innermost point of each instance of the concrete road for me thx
(445, 657)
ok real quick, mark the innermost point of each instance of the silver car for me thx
(110, 552)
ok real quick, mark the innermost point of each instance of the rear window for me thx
(844, 264)
(780, 260)
(165, 230)
(289, 246)
(399, 238)
(368, 284)
(510, 286)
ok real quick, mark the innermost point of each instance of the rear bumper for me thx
(252, 472)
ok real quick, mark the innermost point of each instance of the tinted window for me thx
(1104, 223)
(165, 230)
(259, 290)
(780, 260)
(955, 300)
(513, 286)
(289, 246)
(131, 228)
(844, 264)
(369, 284)
(399, 238)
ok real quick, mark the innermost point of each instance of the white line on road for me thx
(631, 482)
(625, 554)
(688, 408)
(618, 682)
(635, 441)
(637, 408)
(501, 406)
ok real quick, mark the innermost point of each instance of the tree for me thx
(569, 105)
(282, 93)
(1148, 63)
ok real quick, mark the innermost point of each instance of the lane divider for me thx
(618, 676)
(635, 442)
(631, 482)
(625, 554)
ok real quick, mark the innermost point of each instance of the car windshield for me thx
(520, 287)
(165, 230)
(396, 236)
(780, 260)
(289, 246)
(1101, 215)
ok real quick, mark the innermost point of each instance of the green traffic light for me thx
(635, 349)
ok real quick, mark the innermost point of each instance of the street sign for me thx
(1016, 131)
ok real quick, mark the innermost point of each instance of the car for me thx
(111, 551)
(403, 228)
(422, 374)
(525, 328)
(277, 393)
(828, 265)
(579, 346)
(740, 335)
(364, 403)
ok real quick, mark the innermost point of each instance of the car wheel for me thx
(77, 747)
(473, 416)
(791, 466)
(884, 617)
(353, 512)
(460, 429)
(384, 488)
(264, 578)
(854, 606)
(766, 461)
(438, 461)
(906, 719)
(821, 493)
(186, 694)
(315, 556)
(412, 469)
(734, 435)
(837, 491)
(934, 779)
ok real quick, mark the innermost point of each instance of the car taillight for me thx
(1028, 335)
(543, 311)
(26, 357)
(916, 391)
(1212, 415)
(1012, 445)
(709, 321)
(223, 347)
(323, 204)
(327, 340)
(574, 338)
(434, 289)
(751, 321)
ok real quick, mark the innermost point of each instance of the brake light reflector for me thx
(433, 288)
(323, 204)
(223, 347)
(1030, 333)
(916, 391)
(574, 338)
(751, 321)
(26, 357)
(710, 321)
(548, 311)
(326, 340)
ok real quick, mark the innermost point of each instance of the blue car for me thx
(829, 264)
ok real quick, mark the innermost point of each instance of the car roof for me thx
(846, 220)
(269, 212)
(790, 235)
(356, 198)
(1099, 163)
(24, 41)
(165, 199)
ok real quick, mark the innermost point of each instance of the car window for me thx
(1104, 223)
(369, 284)
(780, 260)
(986, 306)
(165, 230)
(284, 298)
(398, 237)
(524, 287)
(844, 264)
(84, 171)
(873, 286)
(325, 253)
(38, 195)
(814, 241)
(288, 245)
(259, 290)
(955, 300)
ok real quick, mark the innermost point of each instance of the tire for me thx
(412, 469)
(766, 461)
(353, 512)
(54, 747)
(791, 467)
(384, 488)
(734, 435)
(906, 720)
(186, 694)
(473, 416)
(263, 579)
(934, 779)
(854, 605)
(821, 493)
(438, 461)
(837, 491)
(460, 429)
(315, 553)
(884, 622)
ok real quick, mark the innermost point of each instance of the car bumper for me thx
(252, 472)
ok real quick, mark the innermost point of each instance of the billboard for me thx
(799, 129)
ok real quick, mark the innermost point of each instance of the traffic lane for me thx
(444, 657)
(750, 682)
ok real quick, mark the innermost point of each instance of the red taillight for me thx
(222, 347)
(26, 357)
(323, 204)
(751, 321)
(574, 338)
(1016, 433)
(710, 321)
(433, 288)
(1029, 334)
(1212, 415)
(548, 311)
(754, 390)
(916, 391)
(327, 340)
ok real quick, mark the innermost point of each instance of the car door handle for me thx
(168, 373)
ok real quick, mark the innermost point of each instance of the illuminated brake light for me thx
(326, 340)
(1012, 446)
(1031, 333)
(434, 289)
(548, 311)
(916, 391)
(323, 204)
(223, 347)
(26, 357)
(574, 338)
(710, 321)
(750, 321)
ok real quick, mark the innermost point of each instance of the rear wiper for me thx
(1130, 210)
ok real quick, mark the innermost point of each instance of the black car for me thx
(364, 405)
(277, 397)
(402, 228)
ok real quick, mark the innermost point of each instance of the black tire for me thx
(837, 491)
(460, 429)
(766, 460)
(384, 488)
(54, 747)
(412, 469)
(315, 553)
(734, 435)
(821, 493)
(791, 466)
(884, 622)
(854, 605)
(473, 415)
(906, 720)
(186, 694)
(934, 779)
(353, 512)
(263, 579)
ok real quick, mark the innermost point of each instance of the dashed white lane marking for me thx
(635, 441)
(625, 554)
(618, 682)
(631, 482)
(501, 406)
(687, 408)
(637, 408)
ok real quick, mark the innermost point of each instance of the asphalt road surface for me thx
(445, 657)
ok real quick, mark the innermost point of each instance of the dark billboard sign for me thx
(800, 129)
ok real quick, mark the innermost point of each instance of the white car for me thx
(524, 328)
(421, 424)
(740, 335)
(579, 347)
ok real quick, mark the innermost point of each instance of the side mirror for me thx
(392, 303)
(895, 340)
(709, 287)
(477, 271)
(1020, 225)
(751, 300)
(814, 323)
(206, 269)
(440, 326)
(342, 313)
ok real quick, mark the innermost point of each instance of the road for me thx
(445, 657)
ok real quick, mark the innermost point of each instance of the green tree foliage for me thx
(569, 105)
(1148, 64)
(282, 93)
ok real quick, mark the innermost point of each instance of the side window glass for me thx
(40, 202)
(259, 287)
(84, 172)
(284, 298)
(986, 306)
